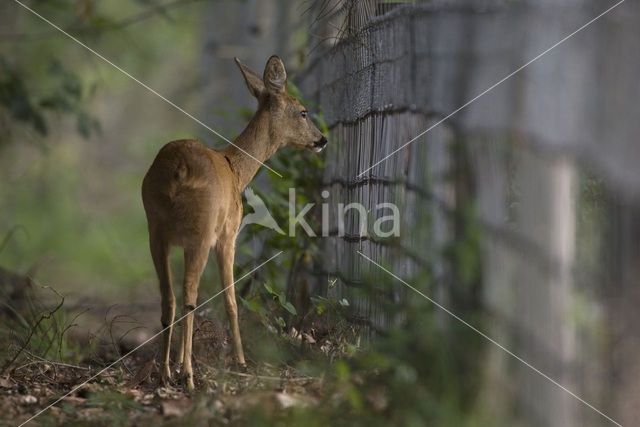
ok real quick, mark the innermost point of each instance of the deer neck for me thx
(250, 149)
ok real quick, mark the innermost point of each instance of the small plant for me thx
(281, 299)
(271, 314)
(39, 332)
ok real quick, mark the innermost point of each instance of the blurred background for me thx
(520, 213)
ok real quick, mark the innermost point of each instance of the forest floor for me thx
(221, 396)
(130, 392)
(95, 378)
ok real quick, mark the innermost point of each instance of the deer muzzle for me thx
(319, 144)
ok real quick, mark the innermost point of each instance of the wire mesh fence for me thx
(536, 181)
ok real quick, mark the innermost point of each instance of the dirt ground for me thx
(130, 392)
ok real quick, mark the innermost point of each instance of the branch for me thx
(270, 378)
(40, 360)
(84, 30)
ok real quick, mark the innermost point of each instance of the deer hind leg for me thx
(180, 357)
(225, 253)
(195, 259)
(160, 251)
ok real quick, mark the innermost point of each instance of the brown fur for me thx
(192, 198)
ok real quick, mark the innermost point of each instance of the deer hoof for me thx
(166, 377)
(188, 381)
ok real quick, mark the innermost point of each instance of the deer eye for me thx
(304, 113)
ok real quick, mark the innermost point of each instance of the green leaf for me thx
(253, 305)
(290, 308)
(270, 289)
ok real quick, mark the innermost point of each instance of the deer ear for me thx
(253, 80)
(275, 76)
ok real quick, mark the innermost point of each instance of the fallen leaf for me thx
(175, 408)
(167, 392)
(29, 400)
(287, 400)
(88, 413)
(75, 400)
(378, 398)
(133, 394)
(269, 401)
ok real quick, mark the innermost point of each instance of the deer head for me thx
(289, 122)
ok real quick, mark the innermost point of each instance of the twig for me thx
(113, 341)
(269, 378)
(52, 362)
(69, 326)
(33, 329)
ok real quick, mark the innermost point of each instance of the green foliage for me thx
(464, 251)
(65, 95)
(270, 307)
(280, 298)
(324, 305)
(80, 202)
(16, 99)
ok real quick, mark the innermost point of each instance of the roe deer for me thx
(192, 198)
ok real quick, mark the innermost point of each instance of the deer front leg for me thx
(195, 259)
(225, 252)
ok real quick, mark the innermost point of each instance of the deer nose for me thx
(320, 143)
